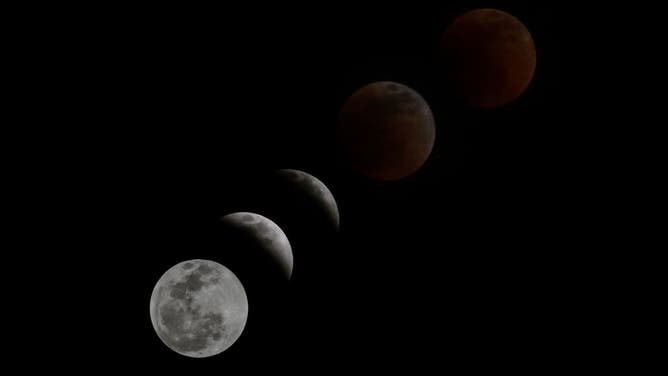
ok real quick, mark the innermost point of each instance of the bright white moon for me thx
(199, 308)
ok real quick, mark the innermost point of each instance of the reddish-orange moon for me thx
(490, 57)
(386, 130)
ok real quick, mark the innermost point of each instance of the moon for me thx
(386, 130)
(314, 191)
(270, 238)
(199, 308)
(489, 56)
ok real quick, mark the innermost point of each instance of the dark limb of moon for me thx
(489, 57)
(386, 130)
(199, 308)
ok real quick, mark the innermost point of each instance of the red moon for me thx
(490, 57)
(386, 130)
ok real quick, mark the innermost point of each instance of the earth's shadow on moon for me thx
(307, 221)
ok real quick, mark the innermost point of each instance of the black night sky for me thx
(186, 108)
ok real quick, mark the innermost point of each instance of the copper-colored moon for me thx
(490, 57)
(386, 130)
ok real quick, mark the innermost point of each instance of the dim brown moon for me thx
(386, 130)
(489, 56)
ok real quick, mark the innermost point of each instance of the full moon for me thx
(489, 56)
(386, 130)
(199, 308)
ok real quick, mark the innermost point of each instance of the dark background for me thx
(172, 114)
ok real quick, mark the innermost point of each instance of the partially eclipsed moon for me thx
(199, 308)
(271, 238)
(315, 191)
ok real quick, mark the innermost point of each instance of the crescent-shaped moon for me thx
(313, 190)
(271, 239)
